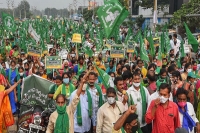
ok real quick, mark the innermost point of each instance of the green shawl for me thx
(144, 104)
(79, 114)
(99, 92)
(71, 89)
(62, 121)
(19, 88)
(80, 70)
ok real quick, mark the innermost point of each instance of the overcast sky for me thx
(42, 4)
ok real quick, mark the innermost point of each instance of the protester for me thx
(187, 114)
(139, 95)
(162, 112)
(127, 122)
(109, 112)
(62, 120)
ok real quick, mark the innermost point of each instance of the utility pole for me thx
(155, 15)
(8, 5)
(13, 7)
(24, 9)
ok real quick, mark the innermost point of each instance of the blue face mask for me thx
(66, 80)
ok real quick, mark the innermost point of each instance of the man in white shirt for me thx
(109, 112)
(171, 42)
(177, 44)
(139, 95)
(85, 126)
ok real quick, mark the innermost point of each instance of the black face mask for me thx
(65, 67)
(134, 129)
(26, 69)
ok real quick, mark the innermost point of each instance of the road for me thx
(13, 128)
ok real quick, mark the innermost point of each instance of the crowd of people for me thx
(147, 97)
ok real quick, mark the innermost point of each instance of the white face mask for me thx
(163, 99)
(169, 74)
(72, 55)
(136, 84)
(113, 78)
(183, 67)
(189, 70)
(21, 74)
(111, 100)
(97, 81)
(172, 59)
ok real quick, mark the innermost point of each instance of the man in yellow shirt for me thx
(127, 123)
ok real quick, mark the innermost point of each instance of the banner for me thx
(76, 38)
(34, 92)
(63, 54)
(131, 47)
(53, 62)
(8, 22)
(117, 51)
(111, 15)
(34, 50)
(33, 33)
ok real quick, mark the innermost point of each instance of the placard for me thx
(76, 38)
(117, 51)
(130, 49)
(53, 62)
(63, 54)
(34, 50)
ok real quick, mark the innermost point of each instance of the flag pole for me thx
(155, 15)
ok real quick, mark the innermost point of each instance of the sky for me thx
(42, 4)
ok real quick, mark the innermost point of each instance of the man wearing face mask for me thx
(128, 122)
(163, 113)
(139, 95)
(121, 93)
(109, 112)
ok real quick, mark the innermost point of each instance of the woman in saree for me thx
(6, 117)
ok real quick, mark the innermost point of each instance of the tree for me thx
(139, 21)
(23, 10)
(148, 4)
(87, 14)
(180, 16)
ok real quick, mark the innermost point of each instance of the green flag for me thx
(111, 15)
(88, 51)
(151, 43)
(191, 38)
(8, 22)
(106, 79)
(143, 52)
(182, 50)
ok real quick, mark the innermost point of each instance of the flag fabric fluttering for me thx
(8, 22)
(111, 15)
(106, 79)
(191, 38)
(143, 52)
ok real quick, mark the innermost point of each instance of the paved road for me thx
(13, 128)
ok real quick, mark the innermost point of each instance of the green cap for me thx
(191, 74)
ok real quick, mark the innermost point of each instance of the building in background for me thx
(136, 10)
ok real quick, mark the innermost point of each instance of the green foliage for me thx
(146, 4)
(139, 21)
(192, 7)
(87, 14)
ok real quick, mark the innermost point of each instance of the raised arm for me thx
(122, 119)
(12, 87)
